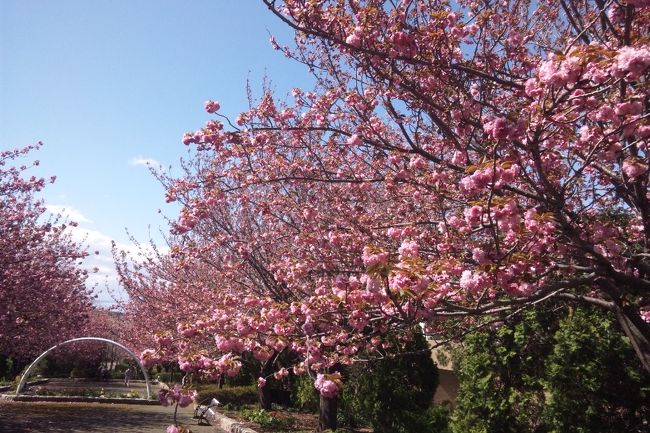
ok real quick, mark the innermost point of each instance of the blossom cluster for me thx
(329, 385)
(176, 395)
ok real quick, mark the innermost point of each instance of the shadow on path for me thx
(20, 417)
(112, 386)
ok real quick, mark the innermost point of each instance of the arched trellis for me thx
(23, 380)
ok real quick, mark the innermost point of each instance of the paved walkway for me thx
(22, 417)
(38, 417)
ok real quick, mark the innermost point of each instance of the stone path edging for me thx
(229, 424)
(220, 420)
(78, 399)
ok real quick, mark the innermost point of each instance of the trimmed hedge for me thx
(235, 396)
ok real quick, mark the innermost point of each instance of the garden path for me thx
(23, 417)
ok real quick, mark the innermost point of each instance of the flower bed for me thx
(274, 421)
(85, 393)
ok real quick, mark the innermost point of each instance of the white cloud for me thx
(147, 162)
(101, 267)
(102, 275)
(68, 213)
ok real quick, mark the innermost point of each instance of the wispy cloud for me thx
(99, 263)
(146, 162)
(102, 274)
(68, 213)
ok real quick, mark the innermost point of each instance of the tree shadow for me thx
(20, 417)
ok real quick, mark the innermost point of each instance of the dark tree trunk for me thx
(327, 413)
(264, 393)
(4, 368)
(264, 397)
(17, 368)
(638, 331)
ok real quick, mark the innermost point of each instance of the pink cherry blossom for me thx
(409, 249)
(632, 62)
(372, 257)
(328, 384)
(42, 292)
(212, 106)
(634, 168)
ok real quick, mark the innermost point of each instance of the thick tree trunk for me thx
(638, 331)
(264, 397)
(327, 413)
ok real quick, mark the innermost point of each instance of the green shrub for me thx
(437, 418)
(70, 392)
(259, 416)
(85, 393)
(593, 380)
(234, 396)
(565, 370)
(304, 395)
(6, 367)
(84, 371)
(393, 393)
(269, 419)
(67, 366)
(248, 373)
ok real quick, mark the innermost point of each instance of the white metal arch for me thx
(23, 380)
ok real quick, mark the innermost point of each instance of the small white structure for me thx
(23, 380)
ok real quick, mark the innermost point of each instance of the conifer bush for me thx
(392, 394)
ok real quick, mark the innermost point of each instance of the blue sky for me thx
(107, 85)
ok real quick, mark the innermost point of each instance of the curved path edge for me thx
(66, 399)
(228, 424)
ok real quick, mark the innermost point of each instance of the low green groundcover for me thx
(86, 393)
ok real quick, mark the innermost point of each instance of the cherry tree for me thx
(42, 292)
(215, 288)
(519, 128)
(453, 161)
(101, 323)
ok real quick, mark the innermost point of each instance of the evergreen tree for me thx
(560, 371)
